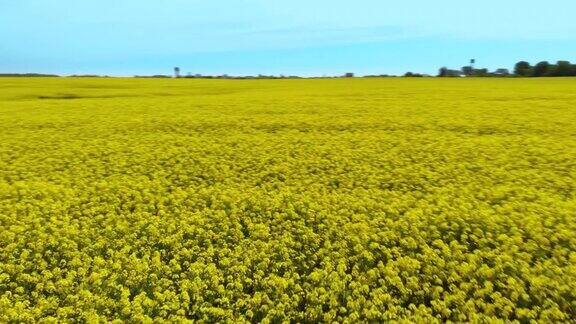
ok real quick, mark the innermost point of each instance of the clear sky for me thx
(305, 37)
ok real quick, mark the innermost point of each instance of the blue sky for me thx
(312, 37)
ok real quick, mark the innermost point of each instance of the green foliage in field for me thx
(305, 200)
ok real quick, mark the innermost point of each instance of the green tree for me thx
(443, 72)
(541, 69)
(523, 69)
(562, 68)
(481, 72)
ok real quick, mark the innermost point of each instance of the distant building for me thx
(446, 72)
(349, 75)
(467, 70)
(454, 73)
(502, 72)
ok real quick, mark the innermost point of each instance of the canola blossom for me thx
(328, 200)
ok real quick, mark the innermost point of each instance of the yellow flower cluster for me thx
(364, 200)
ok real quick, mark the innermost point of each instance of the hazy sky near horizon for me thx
(314, 37)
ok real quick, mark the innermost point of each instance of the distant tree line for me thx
(157, 76)
(521, 69)
(27, 75)
(88, 76)
(545, 69)
(469, 71)
(226, 76)
(414, 75)
(41, 75)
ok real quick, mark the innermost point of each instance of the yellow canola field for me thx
(346, 200)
